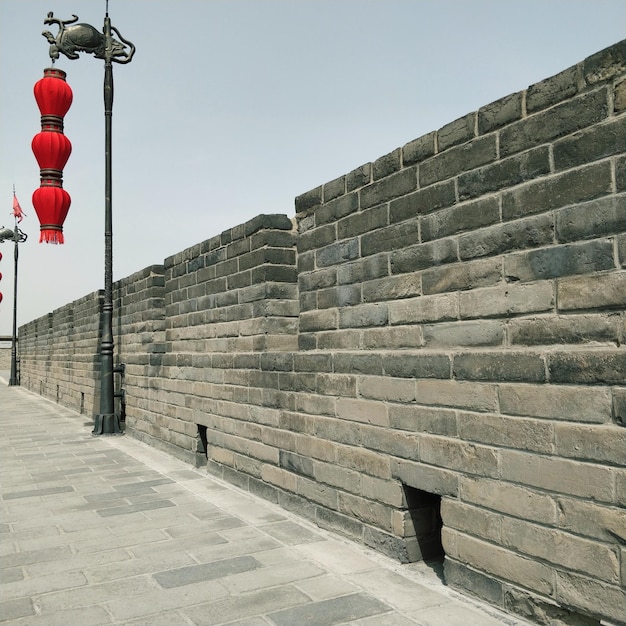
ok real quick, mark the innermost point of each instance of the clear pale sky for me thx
(231, 108)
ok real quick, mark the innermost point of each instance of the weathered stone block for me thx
(459, 159)
(557, 261)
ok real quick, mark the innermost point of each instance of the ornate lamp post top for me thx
(71, 40)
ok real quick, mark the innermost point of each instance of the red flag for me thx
(17, 210)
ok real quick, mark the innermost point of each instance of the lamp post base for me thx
(106, 424)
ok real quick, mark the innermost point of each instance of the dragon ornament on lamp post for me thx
(71, 39)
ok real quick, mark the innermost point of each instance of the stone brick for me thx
(462, 334)
(505, 564)
(588, 367)
(334, 189)
(502, 431)
(586, 292)
(318, 320)
(590, 519)
(619, 406)
(500, 113)
(337, 253)
(557, 261)
(358, 363)
(505, 173)
(395, 338)
(359, 177)
(418, 149)
(558, 475)
(422, 256)
(392, 288)
(601, 444)
(386, 491)
(362, 222)
(362, 410)
(454, 133)
(423, 419)
(606, 64)
(459, 159)
(390, 238)
(562, 549)
(570, 329)
(386, 189)
(340, 477)
(425, 477)
(296, 463)
(462, 276)
(458, 455)
(395, 443)
(506, 300)
(552, 90)
(339, 340)
(308, 200)
(417, 365)
(619, 97)
(461, 576)
(366, 461)
(387, 164)
(365, 315)
(590, 145)
(451, 393)
(363, 269)
(621, 250)
(435, 308)
(508, 366)
(565, 118)
(342, 296)
(422, 201)
(317, 237)
(462, 217)
(570, 187)
(317, 492)
(606, 216)
(365, 510)
(580, 404)
(336, 522)
(591, 596)
(319, 279)
(334, 210)
(501, 238)
(469, 519)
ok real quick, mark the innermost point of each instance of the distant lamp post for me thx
(71, 39)
(17, 236)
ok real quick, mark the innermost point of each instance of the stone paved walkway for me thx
(107, 530)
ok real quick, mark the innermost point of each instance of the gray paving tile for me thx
(11, 575)
(245, 606)
(134, 508)
(330, 612)
(205, 571)
(33, 493)
(14, 609)
(292, 533)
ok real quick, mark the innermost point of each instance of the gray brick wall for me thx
(448, 320)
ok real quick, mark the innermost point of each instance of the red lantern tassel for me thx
(51, 235)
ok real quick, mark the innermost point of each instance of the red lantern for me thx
(52, 204)
(52, 150)
(53, 94)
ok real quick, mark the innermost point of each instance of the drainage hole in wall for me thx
(422, 527)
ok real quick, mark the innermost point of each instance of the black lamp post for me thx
(17, 236)
(71, 39)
